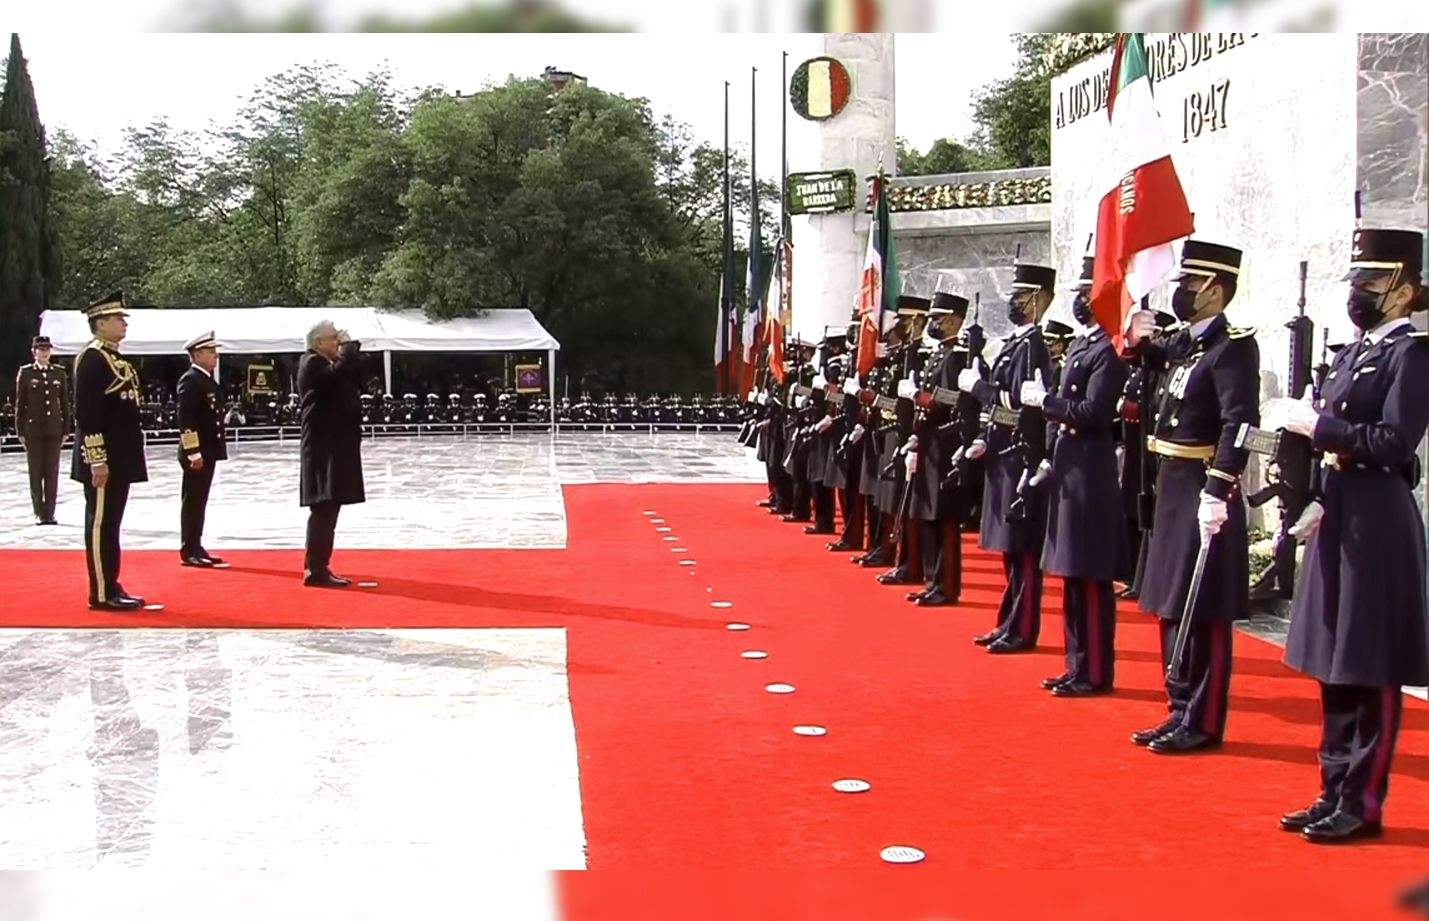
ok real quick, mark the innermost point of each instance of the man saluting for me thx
(109, 448)
(201, 445)
(329, 391)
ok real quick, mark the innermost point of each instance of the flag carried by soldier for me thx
(878, 291)
(1143, 209)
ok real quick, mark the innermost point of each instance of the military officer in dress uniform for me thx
(942, 432)
(824, 476)
(108, 456)
(846, 459)
(1084, 520)
(1059, 338)
(1013, 511)
(201, 445)
(42, 420)
(895, 439)
(1212, 388)
(1359, 621)
(1137, 464)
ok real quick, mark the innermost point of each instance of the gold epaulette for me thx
(189, 439)
(1241, 332)
(95, 454)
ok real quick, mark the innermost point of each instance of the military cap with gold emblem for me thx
(1036, 277)
(1374, 252)
(111, 306)
(201, 341)
(945, 302)
(912, 306)
(1209, 259)
(1057, 330)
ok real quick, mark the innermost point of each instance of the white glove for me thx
(1301, 416)
(1044, 470)
(880, 350)
(819, 382)
(906, 389)
(1211, 515)
(976, 449)
(763, 398)
(753, 395)
(966, 378)
(824, 424)
(1140, 325)
(912, 465)
(1034, 392)
(763, 424)
(856, 434)
(1308, 522)
(851, 386)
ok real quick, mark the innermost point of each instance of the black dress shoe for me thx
(199, 561)
(120, 605)
(934, 599)
(212, 560)
(1129, 594)
(1182, 741)
(1050, 683)
(1302, 819)
(325, 580)
(1341, 828)
(816, 529)
(48, 521)
(987, 639)
(765, 503)
(869, 560)
(1009, 645)
(794, 519)
(839, 546)
(1080, 689)
(1147, 736)
(897, 576)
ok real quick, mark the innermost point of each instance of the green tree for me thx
(1087, 16)
(522, 16)
(1013, 115)
(944, 156)
(29, 253)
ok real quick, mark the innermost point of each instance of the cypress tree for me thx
(28, 249)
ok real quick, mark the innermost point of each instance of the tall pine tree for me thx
(29, 253)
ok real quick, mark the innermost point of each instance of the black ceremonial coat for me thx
(1359, 616)
(1212, 386)
(329, 397)
(1085, 525)
(846, 412)
(200, 417)
(941, 431)
(896, 431)
(1022, 355)
(868, 479)
(108, 428)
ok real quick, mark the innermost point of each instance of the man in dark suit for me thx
(108, 454)
(42, 420)
(330, 397)
(201, 445)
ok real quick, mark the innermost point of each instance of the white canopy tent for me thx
(278, 330)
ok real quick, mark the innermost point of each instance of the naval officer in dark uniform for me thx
(201, 445)
(108, 456)
(1084, 519)
(1359, 621)
(330, 448)
(1013, 512)
(42, 420)
(1212, 388)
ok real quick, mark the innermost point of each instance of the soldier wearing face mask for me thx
(1359, 620)
(1013, 445)
(1212, 388)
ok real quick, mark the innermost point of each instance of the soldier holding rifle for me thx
(881, 380)
(1359, 621)
(824, 476)
(895, 441)
(1198, 562)
(798, 428)
(846, 460)
(1084, 520)
(1012, 511)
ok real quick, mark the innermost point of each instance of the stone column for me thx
(829, 248)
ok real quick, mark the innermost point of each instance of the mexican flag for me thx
(778, 301)
(878, 291)
(1143, 211)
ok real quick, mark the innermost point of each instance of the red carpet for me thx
(687, 761)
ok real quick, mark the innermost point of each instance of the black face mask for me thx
(1366, 308)
(1082, 309)
(1018, 312)
(1183, 304)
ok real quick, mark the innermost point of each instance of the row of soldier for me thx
(1037, 454)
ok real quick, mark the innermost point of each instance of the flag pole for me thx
(726, 294)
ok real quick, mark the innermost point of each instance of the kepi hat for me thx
(111, 306)
(201, 341)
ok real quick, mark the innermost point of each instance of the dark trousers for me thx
(103, 514)
(909, 551)
(801, 502)
(852, 504)
(1358, 731)
(43, 457)
(783, 489)
(823, 498)
(322, 526)
(942, 545)
(1089, 626)
(193, 507)
(1198, 696)
(1019, 616)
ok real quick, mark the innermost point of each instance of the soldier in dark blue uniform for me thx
(1058, 336)
(1013, 512)
(824, 477)
(42, 420)
(1084, 518)
(1138, 465)
(1212, 388)
(796, 436)
(894, 438)
(1359, 621)
(846, 459)
(947, 424)
(109, 448)
(201, 445)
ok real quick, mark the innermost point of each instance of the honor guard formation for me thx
(1074, 458)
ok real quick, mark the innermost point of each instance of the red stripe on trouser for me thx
(1390, 701)
(1210, 713)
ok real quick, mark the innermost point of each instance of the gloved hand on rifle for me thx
(1211, 515)
(851, 385)
(912, 465)
(1044, 470)
(819, 381)
(824, 424)
(977, 449)
(880, 350)
(1034, 392)
(1140, 325)
(763, 397)
(906, 389)
(1308, 522)
(1298, 416)
(856, 434)
(966, 378)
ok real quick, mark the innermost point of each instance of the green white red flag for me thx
(1143, 209)
(878, 291)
